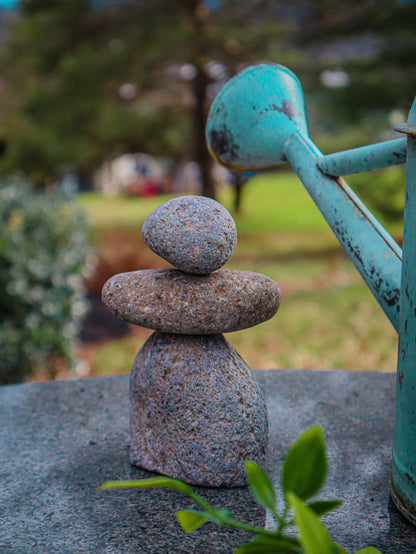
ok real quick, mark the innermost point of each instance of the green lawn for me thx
(271, 202)
(118, 211)
(328, 318)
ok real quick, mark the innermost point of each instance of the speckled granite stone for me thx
(196, 412)
(193, 233)
(172, 301)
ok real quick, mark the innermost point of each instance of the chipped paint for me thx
(410, 478)
(241, 127)
(365, 158)
(374, 253)
(287, 108)
(404, 447)
(223, 144)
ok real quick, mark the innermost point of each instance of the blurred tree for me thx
(364, 77)
(364, 55)
(86, 82)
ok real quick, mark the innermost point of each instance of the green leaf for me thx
(369, 550)
(260, 485)
(291, 541)
(321, 507)
(314, 537)
(191, 519)
(220, 517)
(305, 465)
(156, 482)
(267, 545)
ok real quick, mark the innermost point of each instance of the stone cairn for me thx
(197, 414)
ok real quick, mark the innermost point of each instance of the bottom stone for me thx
(197, 414)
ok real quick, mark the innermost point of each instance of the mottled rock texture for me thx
(172, 301)
(193, 233)
(196, 412)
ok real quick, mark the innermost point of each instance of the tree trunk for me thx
(201, 153)
(238, 189)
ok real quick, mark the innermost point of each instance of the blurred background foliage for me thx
(85, 81)
(43, 258)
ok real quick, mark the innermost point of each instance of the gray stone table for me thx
(60, 440)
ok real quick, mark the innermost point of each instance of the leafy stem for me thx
(282, 520)
(303, 475)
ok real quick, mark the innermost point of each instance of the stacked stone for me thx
(197, 414)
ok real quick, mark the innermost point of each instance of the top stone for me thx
(193, 233)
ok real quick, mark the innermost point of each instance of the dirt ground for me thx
(116, 252)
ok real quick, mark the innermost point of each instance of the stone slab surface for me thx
(59, 441)
(356, 411)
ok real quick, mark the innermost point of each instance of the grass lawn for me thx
(271, 202)
(328, 318)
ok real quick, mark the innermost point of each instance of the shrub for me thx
(382, 191)
(43, 253)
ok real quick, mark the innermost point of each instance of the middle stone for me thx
(172, 301)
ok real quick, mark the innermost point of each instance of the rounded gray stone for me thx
(193, 233)
(197, 414)
(172, 301)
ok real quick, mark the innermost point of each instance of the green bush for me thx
(382, 191)
(43, 253)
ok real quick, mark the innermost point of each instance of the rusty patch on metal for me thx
(357, 254)
(410, 478)
(392, 297)
(286, 108)
(406, 128)
(355, 250)
(401, 504)
(377, 282)
(223, 144)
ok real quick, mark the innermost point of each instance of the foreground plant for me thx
(303, 475)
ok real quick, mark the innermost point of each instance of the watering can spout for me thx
(258, 121)
(254, 115)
